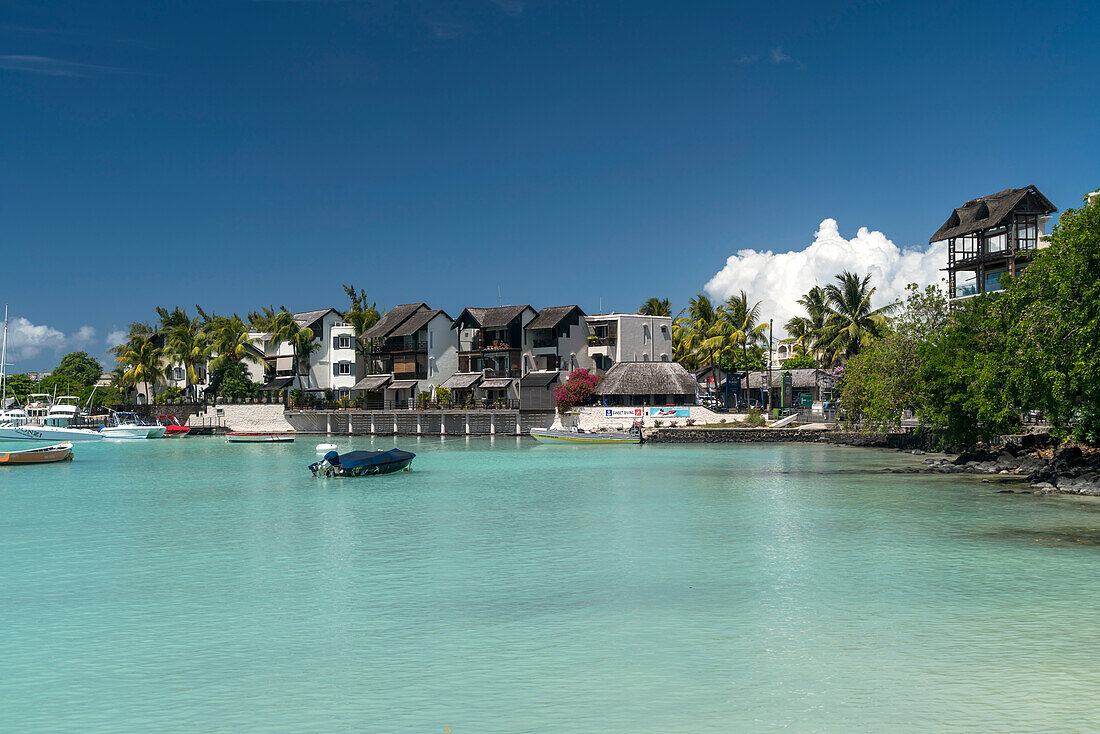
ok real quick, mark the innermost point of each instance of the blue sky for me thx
(240, 153)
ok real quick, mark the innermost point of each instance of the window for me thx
(664, 357)
(177, 373)
(645, 333)
(345, 342)
(995, 241)
(345, 393)
(344, 368)
(993, 280)
(1027, 232)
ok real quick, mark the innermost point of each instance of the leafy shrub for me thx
(755, 418)
(579, 389)
(169, 395)
(690, 421)
(799, 362)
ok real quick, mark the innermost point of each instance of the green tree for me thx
(19, 386)
(800, 362)
(233, 381)
(806, 331)
(79, 369)
(690, 332)
(656, 307)
(233, 342)
(882, 381)
(188, 345)
(362, 315)
(736, 332)
(141, 358)
(851, 321)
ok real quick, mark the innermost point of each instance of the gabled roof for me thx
(540, 379)
(417, 321)
(308, 318)
(392, 319)
(461, 380)
(551, 316)
(490, 318)
(647, 378)
(991, 211)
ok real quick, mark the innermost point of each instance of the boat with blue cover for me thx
(361, 463)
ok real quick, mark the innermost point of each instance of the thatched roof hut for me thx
(648, 382)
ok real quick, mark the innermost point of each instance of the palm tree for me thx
(141, 358)
(232, 341)
(656, 307)
(284, 328)
(689, 333)
(304, 346)
(191, 347)
(738, 327)
(851, 321)
(261, 320)
(362, 316)
(805, 331)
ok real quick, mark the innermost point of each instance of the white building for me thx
(627, 337)
(412, 349)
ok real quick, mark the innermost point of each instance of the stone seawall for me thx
(256, 417)
(419, 422)
(906, 440)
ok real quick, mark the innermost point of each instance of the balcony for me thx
(601, 341)
(502, 373)
(389, 346)
(416, 375)
(543, 342)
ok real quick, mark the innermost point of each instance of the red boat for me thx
(172, 427)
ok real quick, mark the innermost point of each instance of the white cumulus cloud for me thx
(83, 335)
(26, 340)
(114, 338)
(780, 279)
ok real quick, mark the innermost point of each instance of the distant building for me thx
(992, 237)
(647, 383)
(412, 349)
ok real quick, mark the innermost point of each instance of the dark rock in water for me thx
(1067, 456)
(1006, 491)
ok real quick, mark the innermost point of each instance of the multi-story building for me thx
(628, 337)
(992, 237)
(411, 348)
(556, 340)
(329, 367)
(491, 353)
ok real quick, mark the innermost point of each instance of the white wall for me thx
(442, 351)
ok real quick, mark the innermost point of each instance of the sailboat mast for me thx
(4, 363)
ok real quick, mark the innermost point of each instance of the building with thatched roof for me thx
(992, 237)
(647, 383)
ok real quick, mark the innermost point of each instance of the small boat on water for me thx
(259, 436)
(172, 426)
(362, 463)
(43, 455)
(560, 435)
(130, 425)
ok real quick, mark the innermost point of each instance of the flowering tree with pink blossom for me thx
(579, 389)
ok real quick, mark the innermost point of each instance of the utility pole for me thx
(771, 336)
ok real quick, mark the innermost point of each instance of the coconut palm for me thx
(232, 341)
(736, 330)
(305, 344)
(362, 316)
(284, 328)
(656, 307)
(851, 321)
(805, 332)
(187, 344)
(141, 358)
(690, 332)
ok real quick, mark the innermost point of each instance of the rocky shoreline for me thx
(1066, 469)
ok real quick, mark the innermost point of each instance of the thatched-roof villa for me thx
(647, 383)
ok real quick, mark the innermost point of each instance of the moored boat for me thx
(32, 432)
(557, 435)
(259, 436)
(172, 426)
(130, 426)
(42, 455)
(362, 463)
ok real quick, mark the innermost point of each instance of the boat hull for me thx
(552, 436)
(43, 455)
(132, 432)
(47, 434)
(362, 463)
(257, 437)
(176, 431)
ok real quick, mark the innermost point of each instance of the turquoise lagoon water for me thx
(504, 586)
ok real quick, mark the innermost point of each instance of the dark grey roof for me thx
(539, 379)
(278, 383)
(461, 380)
(401, 384)
(371, 382)
(990, 211)
(496, 383)
(306, 318)
(551, 316)
(799, 378)
(647, 378)
(491, 318)
(416, 322)
(392, 319)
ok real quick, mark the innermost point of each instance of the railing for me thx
(410, 404)
(543, 342)
(602, 341)
(409, 376)
(400, 345)
(502, 373)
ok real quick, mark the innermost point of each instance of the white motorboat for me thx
(54, 434)
(130, 425)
